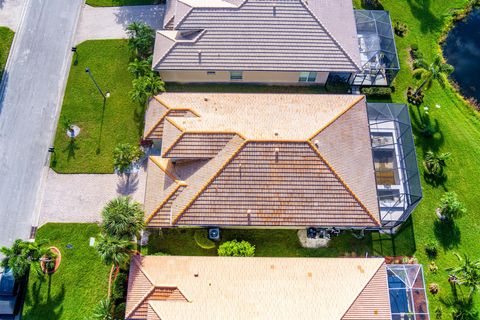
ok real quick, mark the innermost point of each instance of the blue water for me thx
(462, 50)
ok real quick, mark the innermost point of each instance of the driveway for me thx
(11, 13)
(111, 22)
(81, 197)
(30, 99)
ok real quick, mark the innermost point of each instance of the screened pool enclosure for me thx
(395, 162)
(377, 48)
(406, 288)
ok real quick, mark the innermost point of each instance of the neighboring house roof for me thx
(173, 287)
(260, 160)
(258, 35)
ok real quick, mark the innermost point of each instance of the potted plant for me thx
(50, 261)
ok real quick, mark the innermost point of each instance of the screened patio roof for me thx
(377, 48)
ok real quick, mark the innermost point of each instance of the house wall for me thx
(268, 77)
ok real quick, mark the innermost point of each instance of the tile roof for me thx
(314, 166)
(251, 288)
(258, 35)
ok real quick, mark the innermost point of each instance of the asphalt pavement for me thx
(30, 100)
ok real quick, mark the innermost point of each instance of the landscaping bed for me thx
(6, 38)
(78, 284)
(101, 127)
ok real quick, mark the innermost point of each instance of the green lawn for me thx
(102, 127)
(80, 282)
(117, 3)
(459, 133)
(6, 38)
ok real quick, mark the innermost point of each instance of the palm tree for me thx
(115, 252)
(122, 218)
(434, 163)
(450, 207)
(467, 274)
(146, 86)
(22, 256)
(124, 155)
(437, 70)
(140, 67)
(103, 310)
(141, 39)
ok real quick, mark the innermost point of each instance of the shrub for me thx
(431, 249)
(377, 92)
(119, 286)
(414, 47)
(450, 207)
(438, 312)
(236, 249)
(201, 238)
(372, 4)
(433, 267)
(120, 311)
(433, 288)
(400, 28)
(415, 54)
(415, 99)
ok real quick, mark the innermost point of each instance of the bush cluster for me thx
(377, 92)
(400, 28)
(236, 249)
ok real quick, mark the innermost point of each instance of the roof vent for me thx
(306, 2)
(277, 151)
(309, 274)
(196, 275)
(205, 98)
(276, 133)
(199, 56)
(274, 11)
(317, 143)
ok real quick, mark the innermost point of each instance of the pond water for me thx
(462, 50)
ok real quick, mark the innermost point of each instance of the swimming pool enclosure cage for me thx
(406, 288)
(395, 162)
(378, 52)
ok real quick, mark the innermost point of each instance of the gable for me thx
(263, 187)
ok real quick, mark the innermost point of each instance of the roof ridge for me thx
(350, 106)
(366, 285)
(137, 263)
(211, 179)
(329, 34)
(375, 220)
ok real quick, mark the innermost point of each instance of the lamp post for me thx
(104, 95)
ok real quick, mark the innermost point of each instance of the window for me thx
(211, 73)
(236, 75)
(307, 77)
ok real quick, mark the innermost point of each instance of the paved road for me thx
(81, 197)
(111, 22)
(34, 82)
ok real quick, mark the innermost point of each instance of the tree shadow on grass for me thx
(421, 11)
(402, 243)
(99, 143)
(71, 148)
(421, 121)
(463, 308)
(447, 233)
(41, 305)
(436, 181)
(139, 117)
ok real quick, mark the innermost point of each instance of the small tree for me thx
(435, 163)
(466, 274)
(140, 39)
(124, 156)
(236, 249)
(450, 207)
(146, 86)
(140, 68)
(115, 252)
(67, 125)
(437, 70)
(103, 310)
(122, 218)
(22, 256)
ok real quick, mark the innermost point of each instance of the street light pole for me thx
(104, 95)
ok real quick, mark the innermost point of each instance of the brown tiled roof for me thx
(294, 160)
(259, 288)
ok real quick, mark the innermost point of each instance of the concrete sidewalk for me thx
(81, 197)
(111, 22)
(11, 13)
